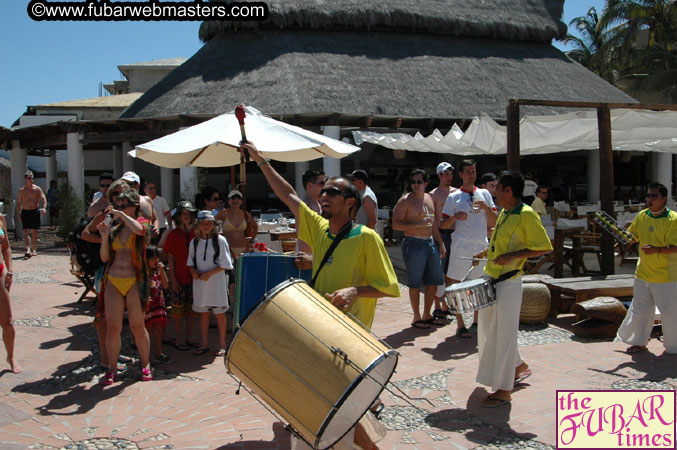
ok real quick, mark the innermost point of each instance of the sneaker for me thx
(108, 379)
(163, 359)
(146, 374)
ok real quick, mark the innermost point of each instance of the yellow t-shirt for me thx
(516, 229)
(359, 260)
(659, 231)
(539, 206)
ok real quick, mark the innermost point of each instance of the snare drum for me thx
(470, 295)
(319, 370)
(256, 274)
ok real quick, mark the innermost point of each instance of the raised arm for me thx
(280, 186)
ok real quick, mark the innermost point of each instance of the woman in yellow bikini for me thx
(123, 248)
(234, 222)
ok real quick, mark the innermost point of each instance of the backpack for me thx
(86, 253)
(215, 246)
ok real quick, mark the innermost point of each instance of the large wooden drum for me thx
(319, 370)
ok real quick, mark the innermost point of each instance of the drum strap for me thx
(343, 232)
(505, 276)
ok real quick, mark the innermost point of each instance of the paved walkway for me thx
(56, 402)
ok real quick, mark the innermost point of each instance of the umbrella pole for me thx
(232, 178)
(243, 181)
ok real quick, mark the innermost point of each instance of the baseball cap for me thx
(359, 174)
(444, 166)
(235, 192)
(205, 215)
(131, 177)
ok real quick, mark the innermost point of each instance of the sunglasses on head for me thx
(653, 195)
(417, 181)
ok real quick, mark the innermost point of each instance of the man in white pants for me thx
(471, 210)
(656, 275)
(518, 235)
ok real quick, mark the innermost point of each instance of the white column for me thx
(188, 187)
(117, 162)
(76, 164)
(332, 166)
(593, 175)
(664, 170)
(299, 169)
(167, 185)
(127, 161)
(18, 157)
(51, 172)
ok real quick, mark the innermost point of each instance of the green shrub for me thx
(71, 209)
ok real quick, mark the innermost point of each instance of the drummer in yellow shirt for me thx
(359, 271)
(655, 276)
(518, 235)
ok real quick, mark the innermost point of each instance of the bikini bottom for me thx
(122, 284)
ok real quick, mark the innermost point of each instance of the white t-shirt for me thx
(213, 292)
(361, 216)
(161, 208)
(530, 187)
(474, 227)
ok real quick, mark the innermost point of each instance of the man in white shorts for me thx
(471, 210)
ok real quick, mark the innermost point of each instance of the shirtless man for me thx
(27, 206)
(414, 214)
(146, 208)
(101, 203)
(445, 172)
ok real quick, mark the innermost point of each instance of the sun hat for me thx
(183, 206)
(205, 215)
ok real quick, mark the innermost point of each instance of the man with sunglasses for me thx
(414, 214)
(655, 228)
(100, 201)
(359, 270)
(27, 205)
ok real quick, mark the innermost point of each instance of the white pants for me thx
(458, 268)
(637, 325)
(497, 337)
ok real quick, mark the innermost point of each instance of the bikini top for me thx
(117, 244)
(228, 226)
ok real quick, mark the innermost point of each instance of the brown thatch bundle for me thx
(526, 20)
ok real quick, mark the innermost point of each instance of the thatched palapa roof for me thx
(525, 20)
(434, 59)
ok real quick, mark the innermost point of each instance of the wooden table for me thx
(584, 288)
(282, 235)
(558, 247)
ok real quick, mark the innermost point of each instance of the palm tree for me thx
(592, 49)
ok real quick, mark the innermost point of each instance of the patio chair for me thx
(86, 279)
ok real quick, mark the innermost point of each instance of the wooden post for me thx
(513, 128)
(606, 184)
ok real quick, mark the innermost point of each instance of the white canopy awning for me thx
(631, 130)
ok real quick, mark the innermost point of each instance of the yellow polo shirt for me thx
(516, 229)
(360, 259)
(659, 231)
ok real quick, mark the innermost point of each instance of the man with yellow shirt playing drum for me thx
(655, 276)
(518, 235)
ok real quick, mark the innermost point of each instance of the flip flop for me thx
(492, 402)
(182, 347)
(463, 333)
(221, 353)
(431, 321)
(422, 324)
(523, 376)
(200, 351)
(636, 349)
(193, 344)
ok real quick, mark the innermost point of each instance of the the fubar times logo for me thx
(615, 419)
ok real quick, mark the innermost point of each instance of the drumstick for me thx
(240, 115)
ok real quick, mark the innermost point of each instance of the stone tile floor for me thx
(432, 401)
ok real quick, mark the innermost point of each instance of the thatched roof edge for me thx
(528, 20)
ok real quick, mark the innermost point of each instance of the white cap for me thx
(444, 166)
(131, 177)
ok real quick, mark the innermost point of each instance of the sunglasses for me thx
(215, 199)
(653, 195)
(105, 185)
(320, 182)
(333, 192)
(417, 181)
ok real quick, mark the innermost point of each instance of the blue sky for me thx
(47, 62)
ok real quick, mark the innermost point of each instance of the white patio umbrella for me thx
(214, 143)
